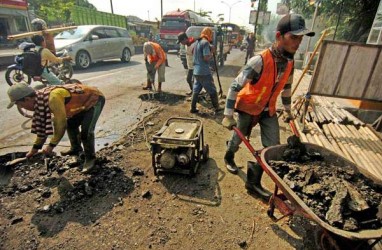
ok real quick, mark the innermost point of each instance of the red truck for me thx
(177, 21)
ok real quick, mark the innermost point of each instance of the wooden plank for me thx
(29, 34)
(353, 80)
(328, 69)
(372, 89)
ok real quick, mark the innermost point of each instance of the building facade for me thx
(14, 19)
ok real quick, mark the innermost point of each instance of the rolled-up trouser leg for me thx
(87, 133)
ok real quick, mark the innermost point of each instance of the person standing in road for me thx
(155, 59)
(48, 57)
(59, 108)
(253, 94)
(250, 47)
(203, 53)
(189, 43)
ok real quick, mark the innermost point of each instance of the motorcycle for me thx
(15, 74)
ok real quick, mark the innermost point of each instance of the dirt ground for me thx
(123, 205)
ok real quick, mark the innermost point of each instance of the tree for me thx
(56, 11)
(356, 19)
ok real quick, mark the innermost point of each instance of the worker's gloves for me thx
(229, 122)
(287, 116)
(31, 153)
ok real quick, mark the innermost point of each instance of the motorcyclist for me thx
(48, 57)
(40, 25)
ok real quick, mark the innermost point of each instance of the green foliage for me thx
(56, 11)
(356, 18)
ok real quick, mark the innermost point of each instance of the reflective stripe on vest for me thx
(253, 98)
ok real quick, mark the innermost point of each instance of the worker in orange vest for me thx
(155, 58)
(254, 92)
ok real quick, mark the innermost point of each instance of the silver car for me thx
(92, 43)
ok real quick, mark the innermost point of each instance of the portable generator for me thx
(178, 146)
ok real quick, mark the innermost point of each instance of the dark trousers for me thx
(190, 78)
(87, 121)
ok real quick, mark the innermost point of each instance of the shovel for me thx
(19, 160)
(217, 75)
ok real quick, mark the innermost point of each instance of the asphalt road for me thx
(122, 85)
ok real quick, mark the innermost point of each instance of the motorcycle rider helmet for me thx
(39, 24)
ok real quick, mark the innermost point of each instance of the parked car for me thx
(92, 43)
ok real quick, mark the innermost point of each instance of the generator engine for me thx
(179, 146)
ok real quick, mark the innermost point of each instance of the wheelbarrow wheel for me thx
(325, 241)
(205, 153)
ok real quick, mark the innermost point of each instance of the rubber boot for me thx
(253, 183)
(215, 102)
(75, 143)
(194, 100)
(159, 87)
(230, 162)
(148, 85)
(90, 158)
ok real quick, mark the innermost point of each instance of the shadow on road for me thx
(202, 189)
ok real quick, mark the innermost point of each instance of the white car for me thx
(92, 43)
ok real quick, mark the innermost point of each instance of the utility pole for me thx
(111, 5)
(255, 28)
(230, 7)
(161, 9)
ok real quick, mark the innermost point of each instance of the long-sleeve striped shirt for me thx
(251, 74)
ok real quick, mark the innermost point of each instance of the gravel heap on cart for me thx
(339, 195)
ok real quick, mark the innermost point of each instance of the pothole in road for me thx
(163, 97)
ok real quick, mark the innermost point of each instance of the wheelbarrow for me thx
(289, 203)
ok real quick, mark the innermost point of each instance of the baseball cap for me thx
(17, 92)
(295, 24)
(182, 36)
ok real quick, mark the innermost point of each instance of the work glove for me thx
(229, 122)
(31, 153)
(287, 116)
(48, 151)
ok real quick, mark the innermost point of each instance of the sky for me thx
(151, 9)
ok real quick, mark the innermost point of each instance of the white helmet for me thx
(39, 24)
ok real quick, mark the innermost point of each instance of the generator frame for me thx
(199, 151)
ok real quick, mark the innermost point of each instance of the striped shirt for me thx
(251, 74)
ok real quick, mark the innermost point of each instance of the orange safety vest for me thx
(253, 98)
(158, 51)
(82, 101)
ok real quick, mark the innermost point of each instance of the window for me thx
(111, 33)
(99, 32)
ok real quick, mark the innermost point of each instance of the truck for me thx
(175, 22)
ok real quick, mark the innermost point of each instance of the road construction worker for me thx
(59, 108)
(48, 57)
(250, 47)
(253, 95)
(203, 54)
(155, 59)
(189, 42)
(40, 25)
